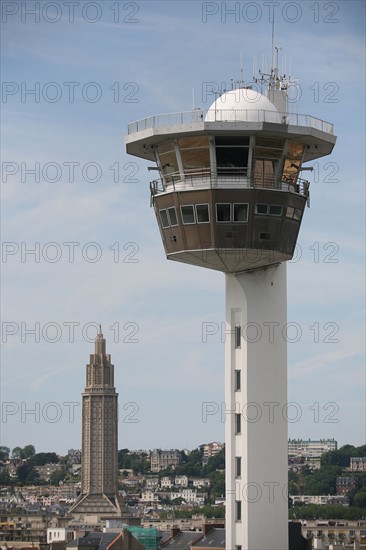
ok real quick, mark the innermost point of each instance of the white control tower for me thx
(230, 197)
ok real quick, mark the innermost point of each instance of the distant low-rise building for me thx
(189, 496)
(149, 497)
(181, 481)
(162, 459)
(320, 499)
(200, 482)
(74, 456)
(211, 449)
(152, 483)
(59, 534)
(358, 464)
(166, 483)
(47, 470)
(346, 484)
(310, 448)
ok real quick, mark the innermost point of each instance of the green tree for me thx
(216, 462)
(342, 456)
(360, 499)
(40, 459)
(4, 452)
(16, 453)
(217, 488)
(192, 466)
(322, 481)
(5, 478)
(27, 474)
(57, 476)
(28, 451)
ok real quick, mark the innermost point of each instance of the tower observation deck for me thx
(230, 196)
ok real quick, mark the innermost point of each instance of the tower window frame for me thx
(237, 379)
(222, 212)
(238, 510)
(172, 213)
(237, 336)
(261, 209)
(238, 467)
(199, 207)
(236, 206)
(237, 420)
(164, 220)
(275, 210)
(293, 213)
(184, 215)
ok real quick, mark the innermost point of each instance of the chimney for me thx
(175, 531)
(207, 528)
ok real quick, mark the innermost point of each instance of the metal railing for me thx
(206, 180)
(237, 115)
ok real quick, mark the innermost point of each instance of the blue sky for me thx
(152, 311)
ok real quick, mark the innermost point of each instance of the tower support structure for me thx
(256, 409)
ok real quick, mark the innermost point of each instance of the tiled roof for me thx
(182, 541)
(214, 539)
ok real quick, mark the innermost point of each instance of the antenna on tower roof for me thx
(241, 82)
(273, 41)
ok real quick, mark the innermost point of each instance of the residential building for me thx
(358, 464)
(189, 496)
(150, 497)
(47, 470)
(152, 483)
(310, 448)
(346, 484)
(320, 499)
(162, 459)
(181, 481)
(200, 482)
(166, 483)
(211, 449)
(59, 534)
(74, 456)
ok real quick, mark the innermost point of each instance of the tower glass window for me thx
(202, 213)
(232, 154)
(237, 424)
(267, 154)
(195, 154)
(292, 162)
(168, 160)
(164, 218)
(275, 210)
(172, 216)
(261, 208)
(238, 510)
(237, 335)
(297, 214)
(223, 212)
(238, 466)
(240, 212)
(187, 212)
(237, 380)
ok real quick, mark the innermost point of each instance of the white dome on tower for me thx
(243, 105)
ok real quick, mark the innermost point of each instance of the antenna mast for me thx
(273, 46)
